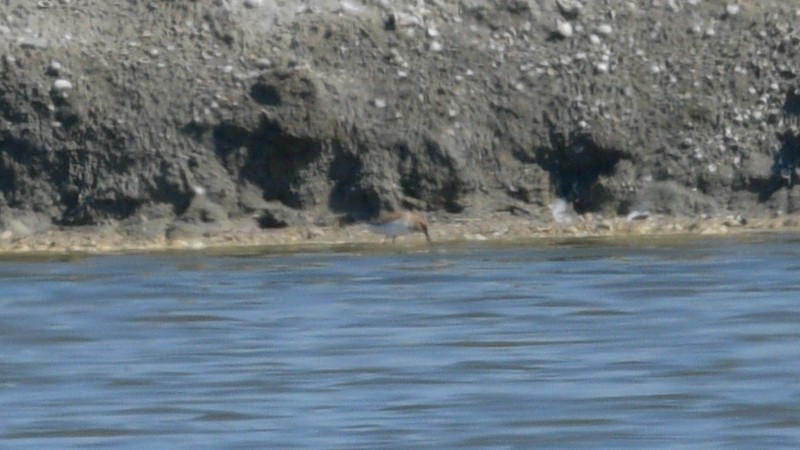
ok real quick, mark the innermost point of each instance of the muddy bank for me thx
(151, 121)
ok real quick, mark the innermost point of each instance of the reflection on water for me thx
(691, 345)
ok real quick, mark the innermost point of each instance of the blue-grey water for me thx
(593, 345)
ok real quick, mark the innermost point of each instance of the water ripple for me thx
(576, 345)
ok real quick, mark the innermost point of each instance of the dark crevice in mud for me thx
(766, 188)
(268, 157)
(229, 140)
(792, 103)
(14, 151)
(787, 161)
(265, 94)
(348, 195)
(576, 163)
(785, 168)
(26, 175)
(88, 211)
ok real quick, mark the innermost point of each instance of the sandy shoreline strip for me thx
(495, 229)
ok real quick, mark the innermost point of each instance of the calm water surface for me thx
(690, 345)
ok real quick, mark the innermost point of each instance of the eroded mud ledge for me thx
(127, 125)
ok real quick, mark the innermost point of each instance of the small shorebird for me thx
(398, 223)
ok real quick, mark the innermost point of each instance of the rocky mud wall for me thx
(155, 116)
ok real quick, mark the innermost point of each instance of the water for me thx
(689, 345)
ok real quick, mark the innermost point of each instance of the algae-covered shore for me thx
(149, 124)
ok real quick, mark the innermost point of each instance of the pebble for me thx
(569, 8)
(62, 85)
(637, 215)
(263, 63)
(252, 3)
(436, 46)
(351, 7)
(379, 103)
(475, 237)
(732, 9)
(404, 20)
(564, 29)
(604, 29)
